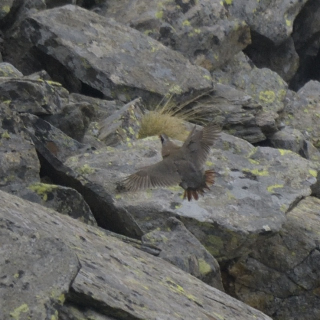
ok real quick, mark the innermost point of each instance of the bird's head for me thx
(167, 145)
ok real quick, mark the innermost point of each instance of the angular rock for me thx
(254, 189)
(122, 125)
(263, 85)
(182, 249)
(59, 144)
(302, 111)
(237, 112)
(63, 200)
(274, 22)
(33, 96)
(202, 31)
(116, 60)
(307, 42)
(36, 269)
(8, 70)
(115, 279)
(282, 59)
(283, 271)
(54, 147)
(19, 163)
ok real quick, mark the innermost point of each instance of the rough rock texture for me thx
(19, 164)
(306, 38)
(302, 111)
(271, 19)
(36, 268)
(290, 263)
(263, 85)
(256, 185)
(246, 221)
(201, 30)
(122, 125)
(109, 57)
(114, 279)
(181, 248)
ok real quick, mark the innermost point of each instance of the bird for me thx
(180, 165)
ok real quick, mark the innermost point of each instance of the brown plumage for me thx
(180, 165)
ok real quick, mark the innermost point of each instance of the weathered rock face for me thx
(110, 57)
(251, 220)
(114, 279)
(202, 30)
(257, 185)
(289, 262)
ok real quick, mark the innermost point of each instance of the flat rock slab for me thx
(254, 189)
(112, 58)
(116, 279)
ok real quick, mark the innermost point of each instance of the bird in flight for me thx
(180, 165)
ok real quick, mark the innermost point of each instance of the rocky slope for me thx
(75, 80)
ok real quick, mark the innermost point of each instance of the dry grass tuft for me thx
(170, 119)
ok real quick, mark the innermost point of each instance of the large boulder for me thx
(40, 273)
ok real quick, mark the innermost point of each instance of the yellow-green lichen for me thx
(15, 314)
(5, 9)
(207, 77)
(5, 135)
(314, 173)
(42, 189)
(275, 186)
(186, 23)
(204, 266)
(228, 2)
(254, 161)
(86, 169)
(267, 96)
(284, 151)
(257, 172)
(55, 316)
(209, 163)
(159, 14)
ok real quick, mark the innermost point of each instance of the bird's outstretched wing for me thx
(197, 145)
(163, 173)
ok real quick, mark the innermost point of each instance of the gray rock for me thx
(8, 70)
(307, 42)
(283, 271)
(254, 189)
(54, 147)
(202, 31)
(282, 59)
(63, 200)
(302, 111)
(264, 86)
(116, 60)
(122, 125)
(19, 163)
(114, 280)
(36, 269)
(33, 96)
(270, 19)
(182, 249)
